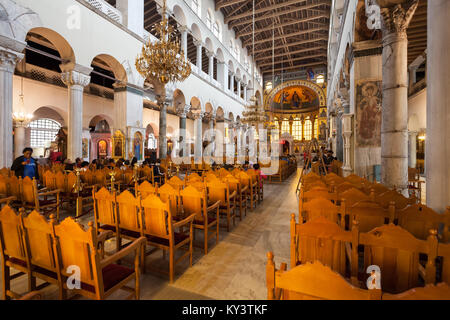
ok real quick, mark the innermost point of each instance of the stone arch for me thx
(196, 32)
(98, 118)
(258, 97)
(238, 72)
(59, 43)
(209, 45)
(108, 62)
(196, 104)
(179, 100)
(231, 66)
(49, 112)
(302, 83)
(209, 108)
(179, 15)
(220, 115)
(231, 116)
(220, 56)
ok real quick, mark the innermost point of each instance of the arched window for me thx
(43, 131)
(308, 129)
(209, 20)
(297, 129)
(216, 30)
(285, 126)
(196, 6)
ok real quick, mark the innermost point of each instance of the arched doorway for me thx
(100, 146)
(150, 144)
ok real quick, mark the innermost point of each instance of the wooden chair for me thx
(193, 177)
(419, 220)
(236, 186)
(100, 277)
(220, 192)
(320, 207)
(105, 217)
(33, 199)
(368, 214)
(176, 183)
(250, 195)
(10, 187)
(127, 216)
(169, 195)
(323, 240)
(145, 189)
(397, 253)
(195, 202)
(159, 229)
(13, 253)
(393, 196)
(38, 242)
(351, 197)
(441, 291)
(311, 281)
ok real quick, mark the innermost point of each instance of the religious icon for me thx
(119, 146)
(102, 148)
(368, 117)
(85, 148)
(137, 146)
(296, 100)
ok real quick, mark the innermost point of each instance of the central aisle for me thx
(235, 268)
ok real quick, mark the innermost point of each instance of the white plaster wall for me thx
(417, 111)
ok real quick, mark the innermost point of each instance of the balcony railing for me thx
(107, 9)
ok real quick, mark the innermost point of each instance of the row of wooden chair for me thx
(315, 281)
(58, 252)
(285, 170)
(401, 257)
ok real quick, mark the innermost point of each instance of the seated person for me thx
(158, 173)
(69, 165)
(111, 164)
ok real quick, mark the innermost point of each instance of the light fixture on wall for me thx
(320, 79)
(422, 137)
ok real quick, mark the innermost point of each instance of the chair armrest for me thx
(57, 191)
(233, 195)
(105, 235)
(34, 295)
(136, 245)
(186, 221)
(244, 189)
(213, 207)
(8, 200)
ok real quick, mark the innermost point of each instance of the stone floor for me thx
(234, 268)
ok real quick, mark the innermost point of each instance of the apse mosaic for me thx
(296, 97)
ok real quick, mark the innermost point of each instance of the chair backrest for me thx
(199, 185)
(100, 177)
(412, 173)
(50, 180)
(233, 183)
(396, 252)
(61, 182)
(88, 177)
(145, 189)
(14, 187)
(193, 177)
(313, 194)
(176, 183)
(71, 181)
(319, 239)
(39, 240)
(218, 191)
(11, 241)
(354, 179)
(245, 179)
(344, 187)
(368, 214)
(77, 247)
(5, 172)
(193, 202)
(315, 184)
(419, 220)
(4, 188)
(29, 190)
(170, 195)
(377, 188)
(104, 207)
(128, 211)
(223, 172)
(156, 217)
(352, 196)
(443, 252)
(400, 201)
(320, 207)
(312, 281)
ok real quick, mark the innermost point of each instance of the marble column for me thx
(183, 114)
(8, 60)
(184, 41)
(394, 124)
(239, 88)
(211, 65)
(347, 134)
(245, 92)
(339, 136)
(437, 148)
(75, 79)
(19, 138)
(412, 149)
(163, 129)
(199, 46)
(232, 83)
(198, 137)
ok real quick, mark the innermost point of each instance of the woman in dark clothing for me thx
(26, 166)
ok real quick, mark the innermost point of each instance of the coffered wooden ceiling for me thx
(299, 27)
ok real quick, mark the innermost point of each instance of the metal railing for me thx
(107, 9)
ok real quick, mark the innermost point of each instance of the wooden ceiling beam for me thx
(289, 23)
(226, 3)
(291, 52)
(290, 44)
(297, 67)
(278, 13)
(294, 59)
(289, 35)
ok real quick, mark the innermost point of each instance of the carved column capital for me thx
(396, 18)
(75, 78)
(198, 115)
(9, 59)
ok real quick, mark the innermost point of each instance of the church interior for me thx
(224, 150)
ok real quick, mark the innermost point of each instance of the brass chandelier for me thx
(163, 60)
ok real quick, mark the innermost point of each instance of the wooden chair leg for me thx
(6, 281)
(206, 238)
(171, 263)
